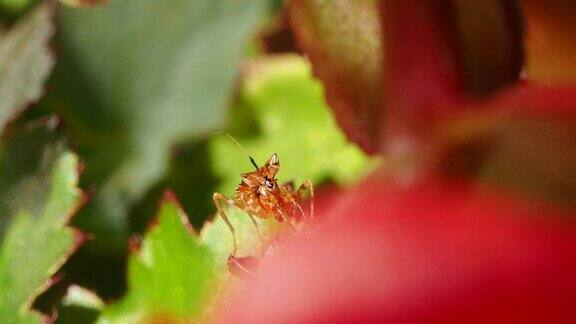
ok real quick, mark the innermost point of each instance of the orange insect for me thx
(260, 195)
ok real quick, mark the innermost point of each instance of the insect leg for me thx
(289, 186)
(255, 226)
(285, 218)
(307, 185)
(218, 197)
(299, 207)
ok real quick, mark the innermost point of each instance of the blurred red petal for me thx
(529, 99)
(422, 74)
(523, 139)
(421, 66)
(430, 253)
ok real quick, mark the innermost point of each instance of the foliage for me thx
(343, 39)
(171, 259)
(469, 106)
(38, 195)
(280, 99)
(79, 305)
(25, 62)
(171, 275)
(140, 74)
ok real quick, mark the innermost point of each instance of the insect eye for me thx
(269, 184)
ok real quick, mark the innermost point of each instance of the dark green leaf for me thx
(136, 76)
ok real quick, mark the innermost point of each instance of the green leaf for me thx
(25, 62)
(175, 276)
(38, 194)
(136, 76)
(285, 104)
(171, 277)
(14, 7)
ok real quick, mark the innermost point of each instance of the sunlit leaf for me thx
(217, 236)
(171, 276)
(284, 104)
(25, 62)
(38, 195)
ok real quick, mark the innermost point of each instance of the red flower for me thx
(433, 253)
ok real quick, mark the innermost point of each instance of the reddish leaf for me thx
(550, 45)
(342, 39)
(433, 253)
(489, 42)
(432, 50)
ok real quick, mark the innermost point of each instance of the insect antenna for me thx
(239, 146)
(253, 162)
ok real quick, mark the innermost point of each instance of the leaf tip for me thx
(170, 197)
(135, 243)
